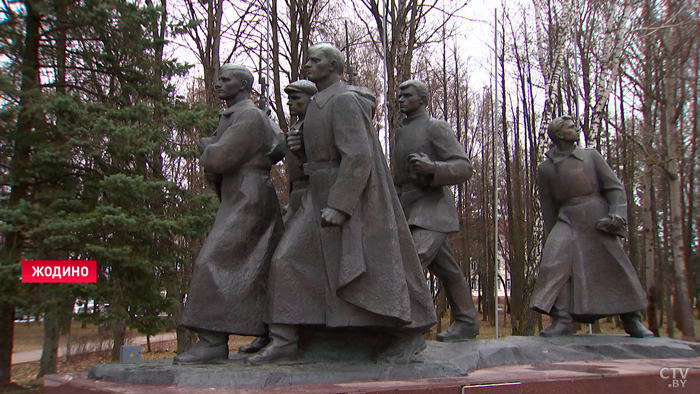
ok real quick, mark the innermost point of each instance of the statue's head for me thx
(298, 95)
(233, 79)
(323, 60)
(413, 96)
(563, 128)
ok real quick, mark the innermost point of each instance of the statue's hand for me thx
(295, 142)
(203, 143)
(421, 164)
(617, 222)
(612, 224)
(332, 217)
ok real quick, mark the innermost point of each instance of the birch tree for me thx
(552, 44)
(674, 40)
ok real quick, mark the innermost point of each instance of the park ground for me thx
(29, 336)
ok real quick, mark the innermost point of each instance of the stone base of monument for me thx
(510, 365)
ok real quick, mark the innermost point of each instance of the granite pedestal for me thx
(568, 358)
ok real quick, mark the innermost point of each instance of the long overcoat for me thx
(298, 181)
(229, 280)
(577, 191)
(365, 272)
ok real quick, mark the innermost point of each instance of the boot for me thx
(466, 325)
(284, 344)
(458, 331)
(212, 346)
(562, 323)
(632, 322)
(404, 347)
(255, 346)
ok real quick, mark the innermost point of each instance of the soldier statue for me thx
(585, 273)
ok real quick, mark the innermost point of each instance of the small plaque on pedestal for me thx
(130, 354)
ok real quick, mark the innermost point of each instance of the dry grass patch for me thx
(30, 335)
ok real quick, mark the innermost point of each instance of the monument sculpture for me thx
(298, 95)
(427, 158)
(346, 273)
(584, 274)
(228, 285)
(346, 259)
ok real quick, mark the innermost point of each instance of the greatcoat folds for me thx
(365, 272)
(228, 286)
(577, 191)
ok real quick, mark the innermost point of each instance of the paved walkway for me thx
(35, 355)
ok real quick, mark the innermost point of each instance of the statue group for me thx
(351, 249)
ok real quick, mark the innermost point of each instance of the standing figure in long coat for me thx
(347, 258)
(427, 159)
(585, 273)
(229, 279)
(299, 94)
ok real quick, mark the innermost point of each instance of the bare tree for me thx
(402, 27)
(551, 48)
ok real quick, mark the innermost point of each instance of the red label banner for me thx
(59, 271)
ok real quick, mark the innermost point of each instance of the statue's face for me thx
(318, 66)
(409, 101)
(568, 131)
(228, 85)
(297, 101)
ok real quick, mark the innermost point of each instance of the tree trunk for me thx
(49, 354)
(690, 229)
(276, 69)
(672, 113)
(649, 246)
(679, 266)
(65, 316)
(294, 59)
(119, 336)
(7, 327)
(22, 137)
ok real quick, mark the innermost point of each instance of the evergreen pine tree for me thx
(89, 155)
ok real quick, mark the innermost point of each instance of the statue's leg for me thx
(212, 346)
(632, 322)
(406, 344)
(283, 345)
(435, 254)
(562, 323)
(459, 295)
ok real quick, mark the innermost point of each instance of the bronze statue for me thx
(585, 274)
(347, 258)
(427, 159)
(299, 93)
(227, 288)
